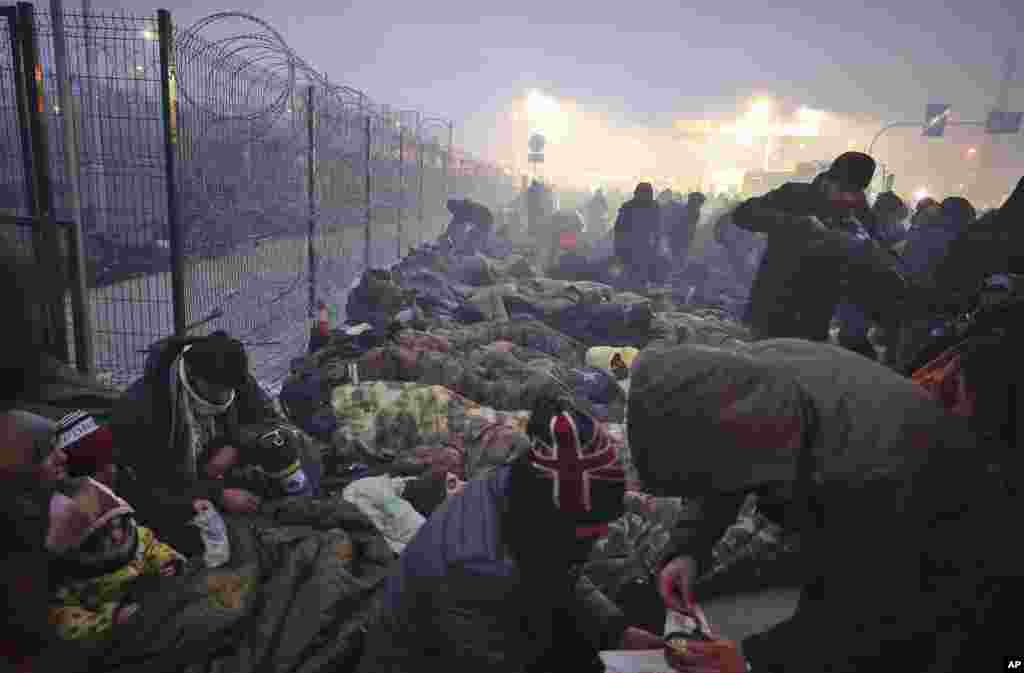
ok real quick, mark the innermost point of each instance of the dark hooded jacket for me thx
(797, 288)
(684, 227)
(637, 231)
(162, 490)
(833, 437)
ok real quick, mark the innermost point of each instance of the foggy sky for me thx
(647, 62)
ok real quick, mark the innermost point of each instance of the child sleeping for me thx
(100, 553)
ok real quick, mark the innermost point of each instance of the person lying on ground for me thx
(179, 430)
(821, 434)
(491, 581)
(99, 552)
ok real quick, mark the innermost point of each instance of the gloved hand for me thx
(698, 656)
(675, 584)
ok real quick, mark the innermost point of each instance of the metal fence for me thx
(220, 184)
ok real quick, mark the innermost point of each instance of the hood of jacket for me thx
(738, 418)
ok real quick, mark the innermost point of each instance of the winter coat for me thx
(874, 456)
(927, 246)
(637, 232)
(162, 490)
(456, 602)
(796, 289)
(682, 228)
(24, 565)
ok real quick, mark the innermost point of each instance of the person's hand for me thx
(699, 656)
(240, 501)
(223, 459)
(675, 584)
(124, 613)
(640, 639)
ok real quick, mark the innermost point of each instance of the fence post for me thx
(448, 160)
(91, 115)
(22, 103)
(311, 193)
(419, 169)
(369, 188)
(42, 208)
(169, 107)
(401, 186)
(80, 308)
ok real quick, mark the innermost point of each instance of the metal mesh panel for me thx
(243, 163)
(113, 64)
(13, 199)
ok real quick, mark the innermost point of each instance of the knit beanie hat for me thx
(853, 170)
(960, 209)
(89, 445)
(274, 447)
(218, 359)
(426, 493)
(580, 464)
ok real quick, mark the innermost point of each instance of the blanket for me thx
(301, 586)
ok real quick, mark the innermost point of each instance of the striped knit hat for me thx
(89, 445)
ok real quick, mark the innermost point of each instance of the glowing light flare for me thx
(547, 117)
(972, 152)
(761, 107)
(727, 178)
(921, 194)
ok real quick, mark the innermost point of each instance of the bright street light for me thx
(546, 116)
(149, 35)
(762, 107)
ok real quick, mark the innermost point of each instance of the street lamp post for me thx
(423, 124)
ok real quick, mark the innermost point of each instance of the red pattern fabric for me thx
(572, 465)
(943, 380)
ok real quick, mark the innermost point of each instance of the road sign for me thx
(536, 157)
(537, 143)
(935, 117)
(1001, 121)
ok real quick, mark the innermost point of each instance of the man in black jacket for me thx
(685, 227)
(637, 232)
(888, 492)
(179, 428)
(812, 252)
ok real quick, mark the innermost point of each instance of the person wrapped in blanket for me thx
(492, 580)
(190, 425)
(100, 552)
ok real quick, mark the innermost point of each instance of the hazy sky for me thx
(648, 62)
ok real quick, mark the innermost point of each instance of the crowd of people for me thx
(873, 411)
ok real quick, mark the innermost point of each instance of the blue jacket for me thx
(927, 246)
(455, 600)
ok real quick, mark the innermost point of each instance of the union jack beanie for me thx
(583, 466)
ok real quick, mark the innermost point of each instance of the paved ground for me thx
(742, 615)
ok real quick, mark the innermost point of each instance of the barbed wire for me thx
(260, 60)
